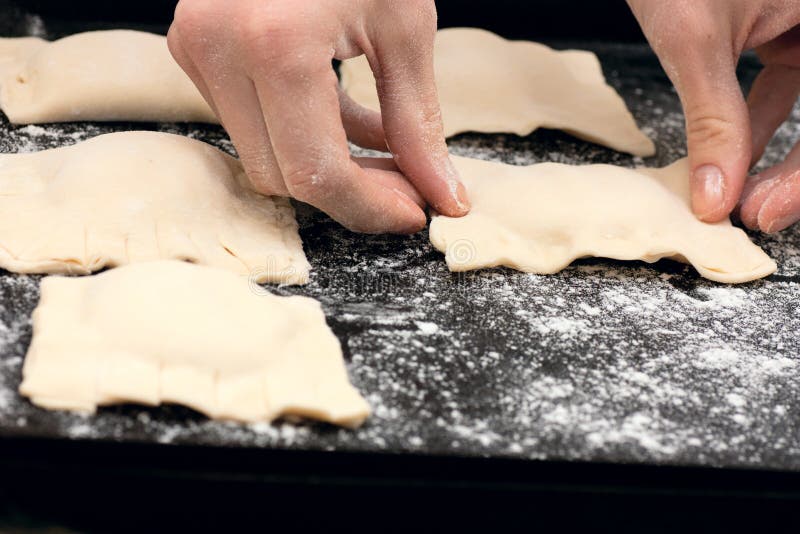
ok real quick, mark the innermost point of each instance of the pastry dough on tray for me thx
(171, 332)
(488, 84)
(541, 217)
(137, 196)
(115, 75)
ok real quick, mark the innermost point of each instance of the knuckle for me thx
(266, 29)
(192, 16)
(176, 47)
(305, 71)
(703, 128)
(426, 122)
(273, 30)
(264, 182)
(701, 32)
(263, 175)
(431, 115)
(193, 28)
(307, 183)
(426, 12)
(280, 45)
(677, 27)
(416, 22)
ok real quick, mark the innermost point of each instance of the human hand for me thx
(264, 67)
(699, 43)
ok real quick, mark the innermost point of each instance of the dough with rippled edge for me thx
(139, 196)
(541, 217)
(114, 75)
(488, 84)
(171, 332)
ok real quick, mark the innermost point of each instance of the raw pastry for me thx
(172, 332)
(540, 218)
(96, 76)
(489, 84)
(136, 196)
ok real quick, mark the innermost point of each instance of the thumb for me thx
(717, 131)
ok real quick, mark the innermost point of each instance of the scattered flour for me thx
(605, 361)
(427, 328)
(34, 26)
(726, 297)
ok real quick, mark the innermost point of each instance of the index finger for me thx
(300, 104)
(402, 61)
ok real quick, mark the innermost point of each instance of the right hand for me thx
(264, 67)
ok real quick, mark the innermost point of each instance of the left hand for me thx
(264, 67)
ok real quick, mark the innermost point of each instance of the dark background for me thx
(541, 19)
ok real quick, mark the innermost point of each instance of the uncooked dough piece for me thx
(96, 76)
(139, 196)
(489, 84)
(168, 331)
(542, 217)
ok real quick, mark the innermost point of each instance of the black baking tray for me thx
(610, 386)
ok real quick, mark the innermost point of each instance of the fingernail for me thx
(709, 183)
(781, 223)
(457, 189)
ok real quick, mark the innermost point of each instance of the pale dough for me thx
(489, 84)
(541, 217)
(171, 332)
(96, 76)
(137, 196)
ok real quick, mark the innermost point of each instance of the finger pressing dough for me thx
(138, 196)
(170, 332)
(541, 217)
(96, 76)
(489, 84)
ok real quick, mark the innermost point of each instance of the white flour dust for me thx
(605, 361)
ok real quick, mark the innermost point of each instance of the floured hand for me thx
(264, 66)
(699, 43)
